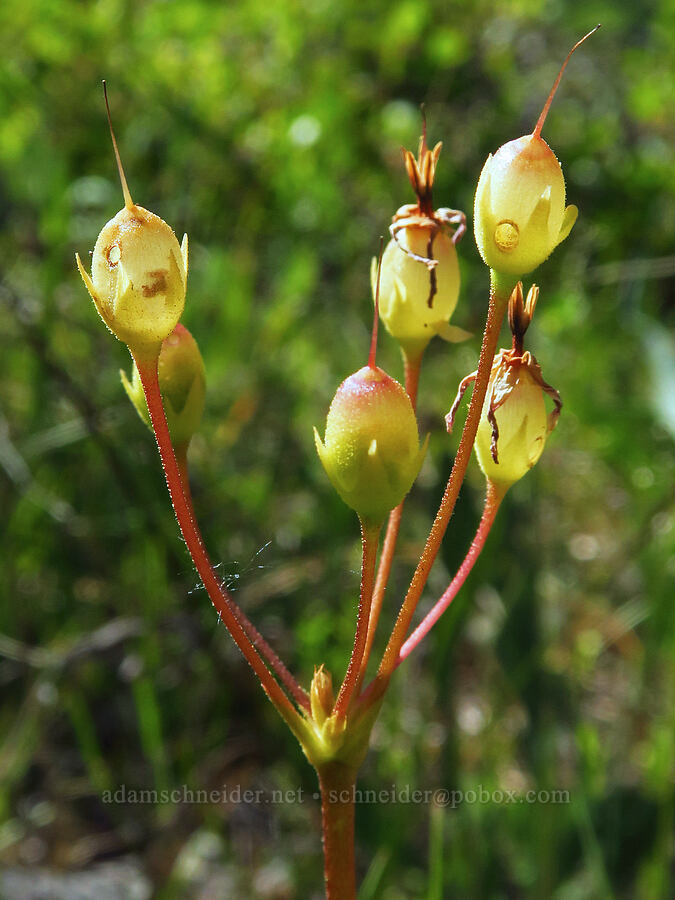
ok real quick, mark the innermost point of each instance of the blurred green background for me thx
(271, 133)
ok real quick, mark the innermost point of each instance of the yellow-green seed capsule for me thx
(405, 308)
(514, 425)
(420, 273)
(371, 450)
(182, 384)
(138, 277)
(520, 215)
(139, 274)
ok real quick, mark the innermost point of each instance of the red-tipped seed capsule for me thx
(371, 450)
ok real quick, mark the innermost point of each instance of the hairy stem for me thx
(181, 451)
(285, 677)
(369, 541)
(493, 498)
(412, 367)
(147, 368)
(337, 783)
(500, 291)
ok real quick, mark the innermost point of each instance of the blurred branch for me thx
(18, 472)
(633, 270)
(103, 638)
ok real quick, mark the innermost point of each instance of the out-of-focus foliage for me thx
(270, 132)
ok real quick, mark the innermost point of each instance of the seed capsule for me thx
(520, 215)
(371, 450)
(514, 426)
(182, 384)
(139, 272)
(420, 272)
(404, 301)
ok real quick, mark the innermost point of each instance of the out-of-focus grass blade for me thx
(436, 823)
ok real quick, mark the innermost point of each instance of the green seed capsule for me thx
(371, 450)
(182, 384)
(420, 274)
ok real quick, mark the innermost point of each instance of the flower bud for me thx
(321, 695)
(138, 272)
(520, 215)
(371, 449)
(514, 425)
(182, 384)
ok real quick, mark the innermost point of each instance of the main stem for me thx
(147, 368)
(338, 783)
(493, 499)
(412, 367)
(500, 291)
(369, 540)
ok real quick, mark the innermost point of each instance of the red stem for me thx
(295, 690)
(493, 499)
(500, 291)
(147, 368)
(180, 451)
(369, 542)
(337, 783)
(412, 369)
